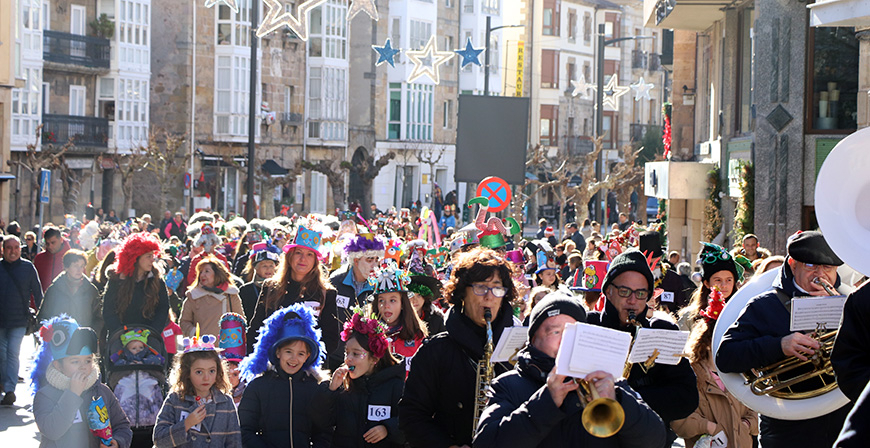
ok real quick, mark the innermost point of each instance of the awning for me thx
(270, 166)
(840, 13)
(6, 176)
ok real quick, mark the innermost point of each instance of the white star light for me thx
(229, 3)
(581, 87)
(362, 5)
(612, 92)
(434, 60)
(277, 18)
(641, 89)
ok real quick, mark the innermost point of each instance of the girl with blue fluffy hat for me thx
(286, 398)
(72, 408)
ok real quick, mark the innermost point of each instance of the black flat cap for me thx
(811, 247)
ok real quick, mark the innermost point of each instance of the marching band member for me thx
(760, 336)
(850, 357)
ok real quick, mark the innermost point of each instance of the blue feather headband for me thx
(295, 322)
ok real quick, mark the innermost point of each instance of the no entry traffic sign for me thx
(497, 191)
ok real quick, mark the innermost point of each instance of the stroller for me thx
(140, 388)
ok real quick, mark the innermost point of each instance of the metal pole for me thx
(193, 36)
(486, 57)
(599, 123)
(252, 115)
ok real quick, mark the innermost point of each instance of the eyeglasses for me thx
(712, 257)
(356, 355)
(481, 290)
(29, 239)
(639, 294)
(826, 268)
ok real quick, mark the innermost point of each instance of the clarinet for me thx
(484, 373)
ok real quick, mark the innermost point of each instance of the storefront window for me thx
(834, 79)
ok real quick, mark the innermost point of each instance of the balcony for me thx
(578, 146)
(84, 131)
(638, 131)
(77, 53)
(638, 59)
(692, 15)
(291, 119)
(655, 62)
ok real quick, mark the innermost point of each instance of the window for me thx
(77, 27)
(572, 25)
(327, 103)
(447, 120)
(288, 98)
(833, 75)
(448, 3)
(571, 70)
(549, 125)
(234, 28)
(76, 108)
(134, 42)
(232, 93)
(611, 25)
(318, 192)
(551, 17)
(31, 32)
(587, 28)
(490, 6)
(132, 111)
(46, 16)
(26, 113)
(45, 96)
(448, 46)
(328, 30)
(468, 6)
(550, 69)
(587, 72)
(419, 112)
(493, 53)
(746, 73)
(394, 128)
(420, 34)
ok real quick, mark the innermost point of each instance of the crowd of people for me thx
(335, 330)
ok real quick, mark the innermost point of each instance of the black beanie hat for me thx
(554, 304)
(811, 247)
(712, 261)
(630, 260)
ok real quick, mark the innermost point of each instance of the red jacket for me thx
(50, 265)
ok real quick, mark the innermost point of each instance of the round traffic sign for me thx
(497, 191)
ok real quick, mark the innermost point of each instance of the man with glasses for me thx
(761, 336)
(671, 391)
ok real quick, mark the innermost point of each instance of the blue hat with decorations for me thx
(545, 262)
(60, 336)
(390, 279)
(293, 323)
(307, 238)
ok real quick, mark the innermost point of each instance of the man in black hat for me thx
(669, 390)
(761, 336)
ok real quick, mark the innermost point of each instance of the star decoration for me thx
(427, 61)
(641, 89)
(581, 87)
(469, 54)
(276, 18)
(612, 92)
(229, 3)
(368, 6)
(386, 53)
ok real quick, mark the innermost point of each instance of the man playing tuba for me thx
(761, 336)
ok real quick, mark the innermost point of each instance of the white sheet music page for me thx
(808, 312)
(671, 345)
(586, 348)
(511, 341)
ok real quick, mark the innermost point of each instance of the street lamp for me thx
(599, 116)
(489, 30)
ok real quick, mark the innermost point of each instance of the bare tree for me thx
(71, 182)
(266, 180)
(591, 185)
(34, 159)
(631, 180)
(166, 163)
(368, 170)
(559, 172)
(335, 175)
(430, 156)
(127, 165)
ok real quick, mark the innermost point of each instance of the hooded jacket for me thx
(521, 413)
(278, 409)
(437, 408)
(50, 265)
(220, 427)
(62, 417)
(352, 414)
(206, 308)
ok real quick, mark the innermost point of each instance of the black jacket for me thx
(352, 416)
(850, 358)
(434, 319)
(343, 302)
(280, 410)
(856, 430)
(671, 391)
(521, 413)
(133, 314)
(84, 306)
(437, 408)
(18, 282)
(754, 340)
(249, 293)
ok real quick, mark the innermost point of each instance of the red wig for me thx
(131, 249)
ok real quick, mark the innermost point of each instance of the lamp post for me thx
(489, 30)
(252, 116)
(599, 116)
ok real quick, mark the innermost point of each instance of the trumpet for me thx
(602, 417)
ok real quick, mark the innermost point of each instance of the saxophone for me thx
(632, 320)
(484, 372)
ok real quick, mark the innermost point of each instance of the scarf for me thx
(60, 381)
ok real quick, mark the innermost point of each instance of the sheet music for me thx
(586, 348)
(671, 344)
(511, 341)
(808, 312)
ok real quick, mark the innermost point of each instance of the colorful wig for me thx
(133, 247)
(295, 322)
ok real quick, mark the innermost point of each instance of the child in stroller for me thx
(136, 350)
(136, 374)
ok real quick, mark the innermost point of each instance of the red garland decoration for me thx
(666, 136)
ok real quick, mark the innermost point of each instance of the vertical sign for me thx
(520, 61)
(44, 186)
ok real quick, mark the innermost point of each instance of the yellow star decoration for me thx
(229, 3)
(276, 18)
(612, 92)
(434, 57)
(368, 6)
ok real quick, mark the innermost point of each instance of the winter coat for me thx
(754, 340)
(345, 300)
(850, 358)
(50, 265)
(219, 429)
(19, 288)
(717, 406)
(249, 293)
(191, 270)
(62, 417)
(206, 308)
(174, 228)
(84, 305)
(329, 326)
(352, 409)
(29, 253)
(437, 407)
(133, 314)
(279, 409)
(434, 319)
(521, 413)
(856, 430)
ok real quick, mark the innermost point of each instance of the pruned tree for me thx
(590, 184)
(127, 165)
(631, 180)
(165, 161)
(557, 174)
(71, 182)
(335, 175)
(430, 156)
(266, 180)
(368, 170)
(33, 160)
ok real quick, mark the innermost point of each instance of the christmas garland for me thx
(744, 220)
(713, 206)
(667, 109)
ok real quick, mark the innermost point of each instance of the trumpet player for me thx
(533, 406)
(760, 336)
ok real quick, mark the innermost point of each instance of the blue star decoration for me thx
(386, 53)
(469, 54)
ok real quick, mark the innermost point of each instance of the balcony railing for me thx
(84, 131)
(638, 59)
(655, 62)
(290, 118)
(66, 48)
(638, 131)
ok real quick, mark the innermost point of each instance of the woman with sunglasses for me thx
(718, 270)
(437, 408)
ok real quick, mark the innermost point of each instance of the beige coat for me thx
(206, 308)
(717, 406)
